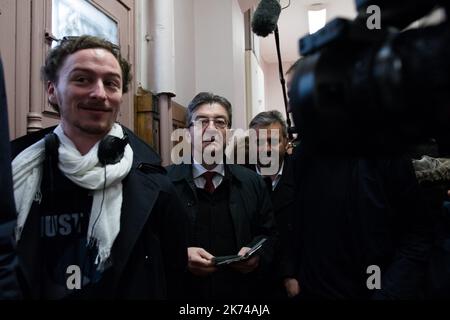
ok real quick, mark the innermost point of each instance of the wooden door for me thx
(118, 16)
(27, 33)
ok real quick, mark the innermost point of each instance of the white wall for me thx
(184, 48)
(255, 86)
(238, 76)
(185, 73)
(155, 48)
(162, 50)
(273, 90)
(144, 44)
(213, 39)
(208, 55)
(342, 9)
(219, 56)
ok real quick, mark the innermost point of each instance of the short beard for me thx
(94, 130)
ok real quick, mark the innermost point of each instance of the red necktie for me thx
(209, 185)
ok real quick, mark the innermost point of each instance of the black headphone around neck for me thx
(110, 151)
(110, 148)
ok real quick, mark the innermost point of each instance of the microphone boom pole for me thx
(283, 82)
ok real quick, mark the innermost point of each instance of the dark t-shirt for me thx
(64, 219)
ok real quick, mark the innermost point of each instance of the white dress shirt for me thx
(200, 181)
(277, 178)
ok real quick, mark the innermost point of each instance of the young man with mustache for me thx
(97, 217)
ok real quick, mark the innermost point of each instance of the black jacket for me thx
(352, 213)
(283, 202)
(149, 252)
(250, 207)
(283, 197)
(9, 288)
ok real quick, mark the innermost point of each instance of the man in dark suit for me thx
(229, 209)
(271, 131)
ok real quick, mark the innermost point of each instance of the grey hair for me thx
(207, 98)
(266, 118)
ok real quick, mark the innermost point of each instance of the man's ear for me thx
(51, 91)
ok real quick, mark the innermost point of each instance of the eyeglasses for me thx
(219, 123)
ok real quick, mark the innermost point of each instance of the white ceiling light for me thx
(317, 17)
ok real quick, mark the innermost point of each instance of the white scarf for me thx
(86, 172)
(432, 169)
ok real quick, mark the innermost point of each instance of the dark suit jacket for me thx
(250, 207)
(283, 198)
(150, 251)
(283, 202)
(354, 212)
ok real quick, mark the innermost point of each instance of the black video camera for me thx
(363, 90)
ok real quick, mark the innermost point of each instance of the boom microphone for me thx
(266, 17)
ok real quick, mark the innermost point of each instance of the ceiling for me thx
(293, 24)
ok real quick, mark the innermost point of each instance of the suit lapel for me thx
(283, 195)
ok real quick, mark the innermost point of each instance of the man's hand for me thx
(248, 265)
(200, 261)
(292, 287)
